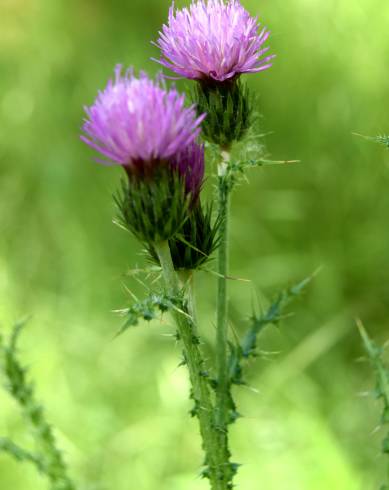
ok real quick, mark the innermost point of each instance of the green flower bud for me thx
(155, 207)
(228, 106)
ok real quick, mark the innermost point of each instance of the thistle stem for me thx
(217, 467)
(222, 301)
(223, 388)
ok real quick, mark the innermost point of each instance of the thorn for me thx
(361, 359)
(364, 394)
(280, 162)
(252, 389)
(122, 311)
(128, 290)
(363, 136)
(376, 430)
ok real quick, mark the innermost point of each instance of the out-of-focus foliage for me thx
(381, 391)
(47, 458)
(121, 405)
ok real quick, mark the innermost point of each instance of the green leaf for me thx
(247, 347)
(381, 139)
(148, 309)
(381, 371)
(375, 354)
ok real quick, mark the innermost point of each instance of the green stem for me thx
(222, 301)
(216, 465)
(223, 385)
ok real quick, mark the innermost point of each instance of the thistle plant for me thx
(381, 371)
(214, 43)
(145, 127)
(158, 139)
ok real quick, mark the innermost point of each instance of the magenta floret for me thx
(213, 40)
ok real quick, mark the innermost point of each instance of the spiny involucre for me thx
(213, 40)
(138, 123)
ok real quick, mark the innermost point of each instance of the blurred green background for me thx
(121, 406)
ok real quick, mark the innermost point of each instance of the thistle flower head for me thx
(135, 122)
(140, 125)
(213, 40)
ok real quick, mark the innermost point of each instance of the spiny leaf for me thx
(381, 139)
(271, 316)
(246, 348)
(375, 354)
(237, 169)
(148, 309)
(241, 165)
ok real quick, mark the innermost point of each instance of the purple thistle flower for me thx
(213, 40)
(138, 123)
